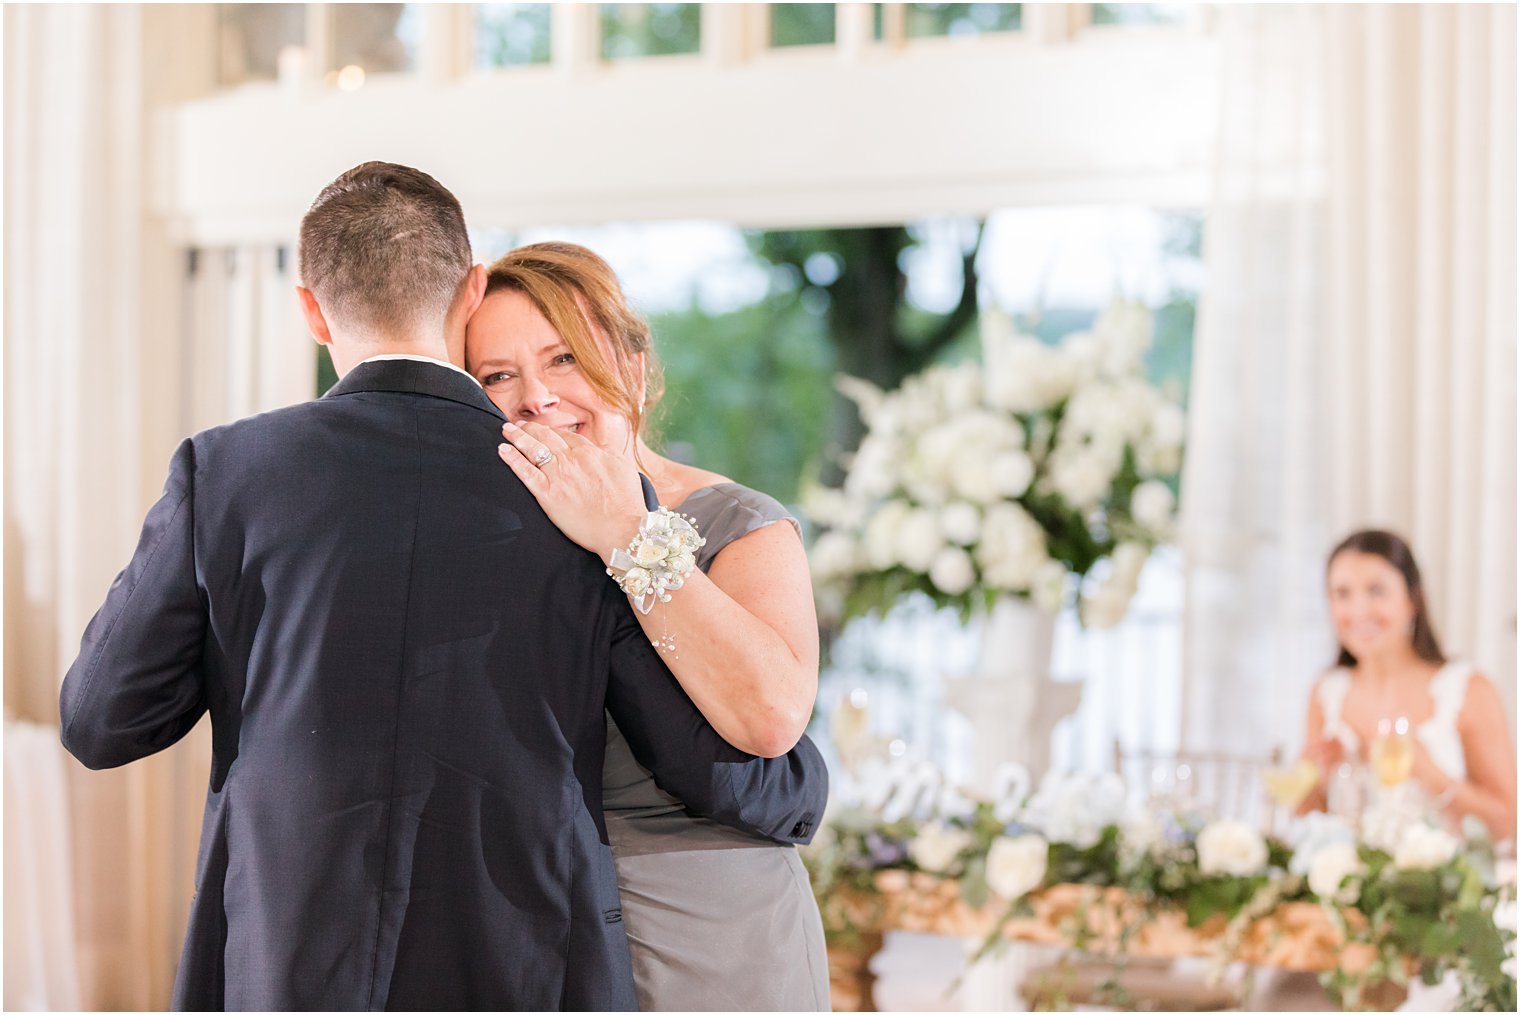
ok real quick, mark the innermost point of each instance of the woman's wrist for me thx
(621, 532)
(1444, 796)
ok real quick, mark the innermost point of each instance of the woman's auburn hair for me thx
(579, 295)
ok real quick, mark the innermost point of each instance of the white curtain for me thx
(1355, 357)
(114, 351)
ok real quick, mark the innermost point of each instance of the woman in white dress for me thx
(1391, 676)
(716, 919)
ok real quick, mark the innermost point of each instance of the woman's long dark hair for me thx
(1395, 551)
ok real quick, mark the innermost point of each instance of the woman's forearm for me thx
(1487, 806)
(755, 689)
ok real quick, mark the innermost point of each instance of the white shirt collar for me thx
(419, 359)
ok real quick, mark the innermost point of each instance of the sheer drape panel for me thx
(40, 969)
(1254, 487)
(1376, 290)
(1422, 270)
(106, 369)
(73, 439)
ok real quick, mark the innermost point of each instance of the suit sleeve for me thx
(778, 798)
(137, 686)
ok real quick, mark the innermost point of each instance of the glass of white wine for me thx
(1289, 786)
(1392, 752)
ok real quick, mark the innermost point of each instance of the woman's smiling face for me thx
(530, 373)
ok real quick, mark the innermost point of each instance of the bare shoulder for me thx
(1482, 704)
(676, 482)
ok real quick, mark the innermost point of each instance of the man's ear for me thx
(474, 290)
(316, 321)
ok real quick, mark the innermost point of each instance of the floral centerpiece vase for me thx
(1011, 702)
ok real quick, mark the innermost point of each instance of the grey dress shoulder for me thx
(717, 920)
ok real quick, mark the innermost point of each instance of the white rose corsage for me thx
(658, 560)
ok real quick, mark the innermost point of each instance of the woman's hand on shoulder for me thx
(593, 496)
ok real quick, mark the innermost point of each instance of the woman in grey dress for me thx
(716, 919)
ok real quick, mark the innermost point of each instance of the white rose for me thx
(1231, 847)
(881, 534)
(1331, 865)
(1080, 476)
(1012, 547)
(971, 476)
(960, 522)
(1168, 426)
(918, 540)
(952, 571)
(1015, 867)
(649, 552)
(937, 846)
(1012, 472)
(833, 507)
(1151, 505)
(1082, 351)
(636, 581)
(1422, 848)
(873, 470)
(834, 554)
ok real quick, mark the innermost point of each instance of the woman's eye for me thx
(562, 359)
(496, 378)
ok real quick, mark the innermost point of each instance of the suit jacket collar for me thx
(417, 377)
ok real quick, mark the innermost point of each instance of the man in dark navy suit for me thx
(406, 666)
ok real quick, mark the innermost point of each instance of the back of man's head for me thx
(384, 250)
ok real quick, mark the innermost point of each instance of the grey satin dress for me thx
(717, 919)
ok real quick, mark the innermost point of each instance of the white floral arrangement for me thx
(658, 559)
(1420, 896)
(1005, 477)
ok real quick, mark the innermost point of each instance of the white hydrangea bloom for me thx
(1151, 505)
(1331, 865)
(881, 540)
(960, 522)
(937, 846)
(919, 540)
(1016, 866)
(1231, 847)
(952, 571)
(1012, 548)
(1422, 847)
(1077, 807)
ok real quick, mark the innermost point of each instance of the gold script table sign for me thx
(1298, 936)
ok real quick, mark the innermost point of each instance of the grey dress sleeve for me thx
(730, 511)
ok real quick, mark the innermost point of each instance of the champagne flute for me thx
(1392, 752)
(1289, 786)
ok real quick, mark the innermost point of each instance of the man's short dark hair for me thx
(384, 248)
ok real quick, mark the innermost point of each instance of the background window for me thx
(922, 20)
(251, 36)
(802, 24)
(511, 35)
(1138, 14)
(634, 30)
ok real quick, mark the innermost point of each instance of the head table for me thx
(1298, 936)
